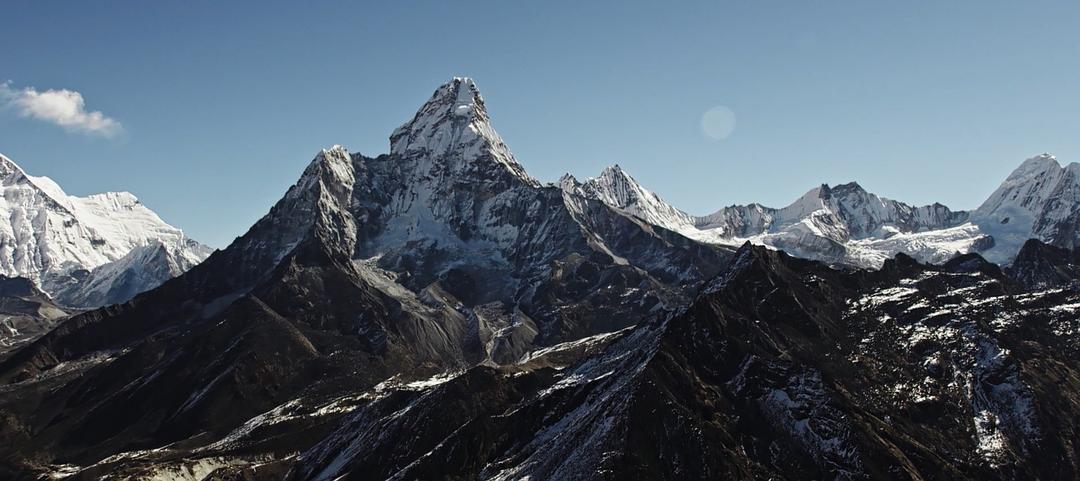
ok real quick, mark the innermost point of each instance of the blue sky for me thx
(220, 105)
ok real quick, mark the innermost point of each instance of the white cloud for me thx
(65, 108)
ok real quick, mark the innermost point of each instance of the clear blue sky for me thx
(222, 104)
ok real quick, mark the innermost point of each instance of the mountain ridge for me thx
(59, 241)
(432, 313)
(847, 225)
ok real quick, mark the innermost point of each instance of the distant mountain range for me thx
(86, 251)
(437, 313)
(846, 225)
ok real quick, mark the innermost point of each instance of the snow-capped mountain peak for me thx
(1039, 199)
(616, 188)
(842, 224)
(1034, 166)
(812, 201)
(13, 174)
(58, 240)
(9, 167)
(453, 130)
(333, 163)
(847, 224)
(567, 182)
(1027, 187)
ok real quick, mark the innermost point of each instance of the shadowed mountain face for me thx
(25, 313)
(1040, 265)
(436, 313)
(436, 257)
(781, 369)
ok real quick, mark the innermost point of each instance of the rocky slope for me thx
(1041, 266)
(25, 313)
(781, 369)
(76, 248)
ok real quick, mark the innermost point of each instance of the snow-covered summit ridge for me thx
(450, 143)
(1030, 185)
(453, 129)
(1034, 166)
(1040, 199)
(616, 188)
(846, 224)
(48, 236)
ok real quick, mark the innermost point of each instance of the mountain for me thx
(615, 187)
(846, 225)
(1040, 200)
(70, 246)
(436, 313)
(440, 255)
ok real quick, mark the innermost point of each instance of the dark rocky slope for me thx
(782, 369)
(25, 313)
